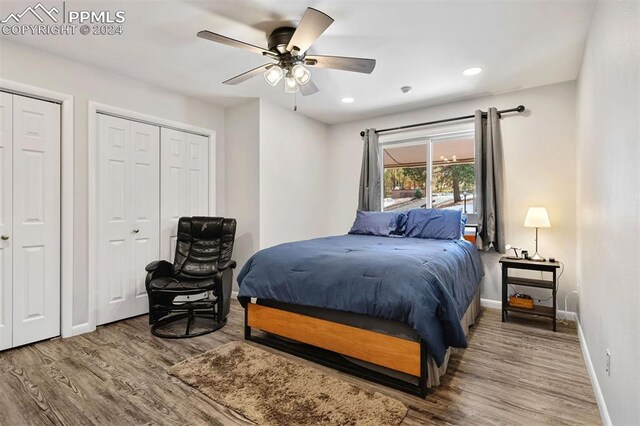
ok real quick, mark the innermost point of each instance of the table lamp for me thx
(537, 217)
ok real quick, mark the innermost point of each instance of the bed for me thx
(385, 308)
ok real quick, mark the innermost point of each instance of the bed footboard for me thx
(324, 339)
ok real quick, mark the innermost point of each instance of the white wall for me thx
(242, 127)
(608, 200)
(276, 176)
(539, 154)
(293, 176)
(37, 68)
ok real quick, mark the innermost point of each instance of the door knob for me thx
(5, 237)
(135, 231)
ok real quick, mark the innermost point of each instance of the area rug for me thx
(271, 390)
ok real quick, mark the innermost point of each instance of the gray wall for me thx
(276, 167)
(608, 203)
(539, 151)
(242, 124)
(293, 176)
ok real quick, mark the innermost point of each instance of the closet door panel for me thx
(6, 223)
(145, 153)
(198, 162)
(174, 187)
(184, 175)
(114, 237)
(128, 235)
(36, 220)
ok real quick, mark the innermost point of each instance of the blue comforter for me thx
(427, 284)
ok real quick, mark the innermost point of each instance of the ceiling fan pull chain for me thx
(295, 102)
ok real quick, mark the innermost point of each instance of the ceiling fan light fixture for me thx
(273, 75)
(301, 74)
(290, 84)
(286, 50)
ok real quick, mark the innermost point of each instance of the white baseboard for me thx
(488, 303)
(602, 406)
(81, 329)
(496, 304)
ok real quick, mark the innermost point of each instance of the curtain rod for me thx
(518, 109)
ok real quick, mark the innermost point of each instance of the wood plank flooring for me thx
(519, 372)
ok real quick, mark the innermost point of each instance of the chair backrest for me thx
(203, 243)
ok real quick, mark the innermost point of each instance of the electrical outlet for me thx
(607, 361)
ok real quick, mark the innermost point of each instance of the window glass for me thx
(452, 175)
(405, 177)
(447, 182)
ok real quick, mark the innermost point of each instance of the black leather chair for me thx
(202, 264)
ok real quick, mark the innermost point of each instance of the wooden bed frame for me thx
(325, 342)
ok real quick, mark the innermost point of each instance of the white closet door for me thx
(128, 203)
(6, 206)
(36, 220)
(184, 176)
(146, 208)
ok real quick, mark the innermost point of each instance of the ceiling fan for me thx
(287, 46)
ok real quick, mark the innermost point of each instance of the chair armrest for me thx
(230, 264)
(157, 264)
(157, 269)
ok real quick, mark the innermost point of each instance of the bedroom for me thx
(291, 169)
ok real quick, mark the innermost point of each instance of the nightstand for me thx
(530, 265)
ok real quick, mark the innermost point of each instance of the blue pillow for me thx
(378, 223)
(434, 223)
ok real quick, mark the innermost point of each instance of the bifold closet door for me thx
(184, 183)
(6, 224)
(128, 209)
(36, 220)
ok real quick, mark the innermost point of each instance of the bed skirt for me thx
(468, 319)
(434, 372)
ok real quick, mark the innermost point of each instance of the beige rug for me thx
(272, 390)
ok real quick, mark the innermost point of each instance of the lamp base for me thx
(537, 258)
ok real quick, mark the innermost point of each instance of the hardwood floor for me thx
(518, 372)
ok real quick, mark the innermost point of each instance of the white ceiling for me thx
(423, 44)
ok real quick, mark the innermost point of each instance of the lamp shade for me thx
(537, 217)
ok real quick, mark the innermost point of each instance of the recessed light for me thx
(347, 100)
(472, 71)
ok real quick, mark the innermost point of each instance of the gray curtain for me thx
(370, 192)
(489, 181)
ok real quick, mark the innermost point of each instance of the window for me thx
(405, 177)
(429, 173)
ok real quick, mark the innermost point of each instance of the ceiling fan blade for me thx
(208, 35)
(247, 75)
(308, 89)
(312, 25)
(362, 65)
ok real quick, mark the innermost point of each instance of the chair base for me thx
(156, 328)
